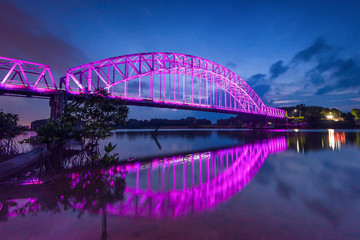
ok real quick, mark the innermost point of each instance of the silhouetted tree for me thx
(356, 113)
(91, 116)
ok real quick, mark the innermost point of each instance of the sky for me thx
(290, 52)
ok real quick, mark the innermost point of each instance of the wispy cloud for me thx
(286, 101)
(277, 69)
(319, 46)
(355, 99)
(316, 70)
(231, 65)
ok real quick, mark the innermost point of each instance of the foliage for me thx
(89, 191)
(9, 127)
(314, 113)
(91, 116)
(332, 111)
(57, 130)
(108, 158)
(231, 122)
(348, 118)
(311, 112)
(156, 122)
(356, 113)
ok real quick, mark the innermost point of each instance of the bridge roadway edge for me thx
(57, 103)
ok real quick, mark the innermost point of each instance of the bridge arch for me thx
(170, 79)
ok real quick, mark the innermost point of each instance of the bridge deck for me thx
(136, 102)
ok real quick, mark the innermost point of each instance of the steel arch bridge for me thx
(158, 79)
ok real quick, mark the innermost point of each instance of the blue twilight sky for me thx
(290, 52)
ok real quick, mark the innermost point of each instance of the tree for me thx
(356, 113)
(9, 127)
(96, 114)
(58, 130)
(314, 113)
(335, 112)
(90, 116)
(349, 118)
(331, 112)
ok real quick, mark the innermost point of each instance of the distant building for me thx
(38, 123)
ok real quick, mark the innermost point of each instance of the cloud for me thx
(318, 207)
(315, 77)
(286, 101)
(266, 174)
(318, 47)
(262, 89)
(231, 65)
(344, 74)
(257, 78)
(355, 99)
(277, 69)
(284, 190)
(258, 82)
(23, 37)
(329, 73)
(135, 84)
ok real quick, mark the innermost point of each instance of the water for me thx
(198, 185)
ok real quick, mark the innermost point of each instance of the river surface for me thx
(198, 184)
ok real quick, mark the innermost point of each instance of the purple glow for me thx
(203, 195)
(219, 175)
(207, 193)
(26, 76)
(114, 74)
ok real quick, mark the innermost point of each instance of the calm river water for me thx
(198, 184)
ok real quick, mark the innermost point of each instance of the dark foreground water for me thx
(198, 185)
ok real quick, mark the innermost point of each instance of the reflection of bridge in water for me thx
(167, 187)
(176, 186)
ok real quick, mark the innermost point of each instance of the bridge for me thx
(172, 186)
(161, 79)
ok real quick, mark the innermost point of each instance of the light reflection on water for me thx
(170, 186)
(298, 185)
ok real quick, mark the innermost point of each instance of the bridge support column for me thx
(57, 103)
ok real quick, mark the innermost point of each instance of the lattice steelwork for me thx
(26, 76)
(168, 79)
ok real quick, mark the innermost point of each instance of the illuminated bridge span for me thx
(169, 80)
(178, 186)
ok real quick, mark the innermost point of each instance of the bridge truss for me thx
(168, 80)
(161, 79)
(18, 75)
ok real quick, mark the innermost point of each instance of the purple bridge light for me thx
(177, 186)
(161, 79)
(18, 75)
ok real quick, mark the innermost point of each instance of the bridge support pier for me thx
(57, 103)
